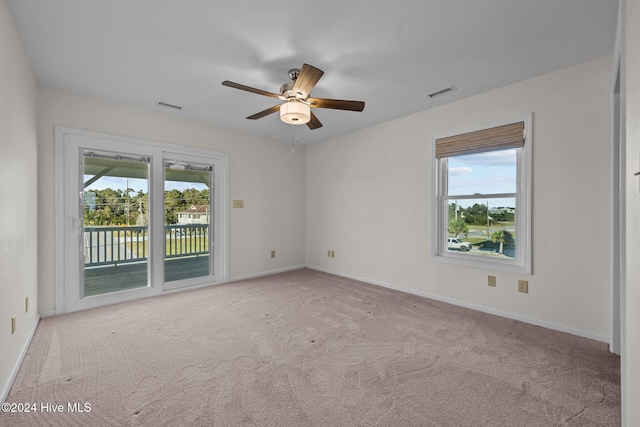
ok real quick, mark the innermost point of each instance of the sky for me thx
(483, 173)
(493, 172)
(138, 184)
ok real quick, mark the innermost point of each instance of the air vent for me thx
(164, 104)
(443, 91)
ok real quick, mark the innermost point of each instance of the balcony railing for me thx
(121, 245)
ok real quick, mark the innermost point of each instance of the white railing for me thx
(119, 245)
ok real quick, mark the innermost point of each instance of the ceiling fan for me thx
(296, 109)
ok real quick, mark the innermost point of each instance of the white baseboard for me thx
(7, 387)
(477, 307)
(48, 313)
(265, 273)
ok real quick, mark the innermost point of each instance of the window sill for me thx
(483, 262)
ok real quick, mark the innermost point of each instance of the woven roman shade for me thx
(497, 138)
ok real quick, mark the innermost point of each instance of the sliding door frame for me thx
(68, 145)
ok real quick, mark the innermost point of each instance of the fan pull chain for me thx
(295, 138)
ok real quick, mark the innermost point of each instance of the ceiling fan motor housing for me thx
(286, 91)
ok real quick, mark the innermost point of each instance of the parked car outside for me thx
(453, 242)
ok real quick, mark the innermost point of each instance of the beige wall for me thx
(18, 201)
(369, 199)
(630, 70)
(262, 172)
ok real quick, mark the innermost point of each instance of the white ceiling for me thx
(390, 54)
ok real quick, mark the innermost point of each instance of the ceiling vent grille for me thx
(443, 91)
(164, 104)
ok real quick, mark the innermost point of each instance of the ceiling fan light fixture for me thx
(297, 101)
(295, 113)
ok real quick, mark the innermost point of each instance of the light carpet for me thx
(305, 348)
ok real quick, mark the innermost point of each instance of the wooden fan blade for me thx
(336, 104)
(249, 89)
(314, 123)
(266, 112)
(307, 79)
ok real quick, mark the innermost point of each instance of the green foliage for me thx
(111, 207)
(503, 237)
(503, 216)
(191, 196)
(457, 226)
(476, 214)
(173, 201)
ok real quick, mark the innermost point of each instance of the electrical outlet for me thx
(523, 286)
(492, 281)
(273, 254)
(26, 304)
(13, 325)
(238, 203)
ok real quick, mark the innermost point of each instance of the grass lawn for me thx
(475, 240)
(174, 246)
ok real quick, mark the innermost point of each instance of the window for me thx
(482, 196)
(121, 239)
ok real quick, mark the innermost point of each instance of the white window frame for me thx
(68, 145)
(522, 263)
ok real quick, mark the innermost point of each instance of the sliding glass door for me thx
(114, 210)
(138, 218)
(187, 215)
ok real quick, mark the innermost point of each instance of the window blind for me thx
(171, 164)
(116, 157)
(497, 138)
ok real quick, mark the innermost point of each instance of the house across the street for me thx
(194, 215)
